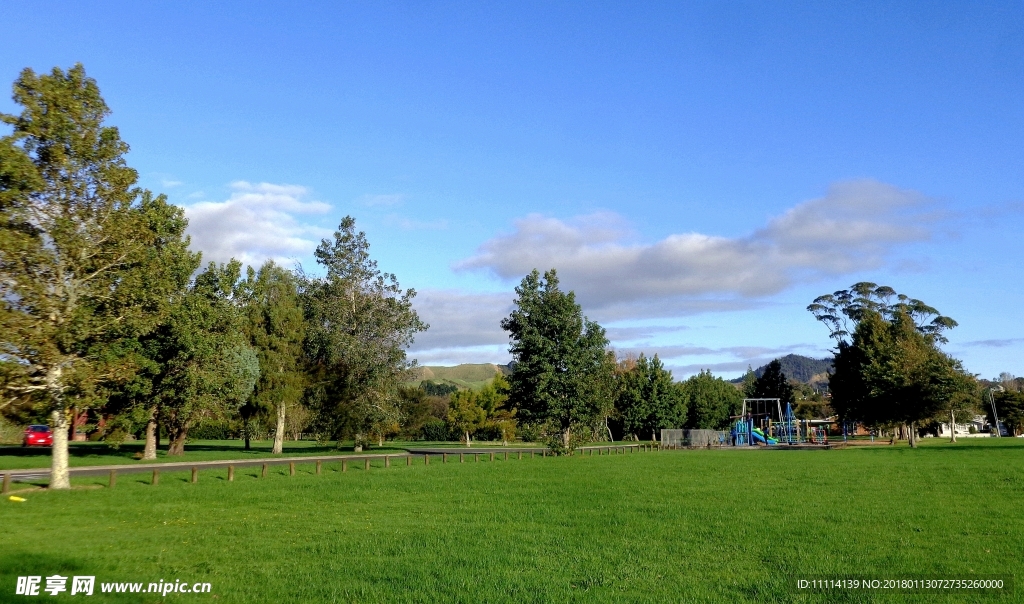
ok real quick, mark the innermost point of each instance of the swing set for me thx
(764, 422)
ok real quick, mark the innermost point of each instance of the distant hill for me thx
(472, 376)
(800, 368)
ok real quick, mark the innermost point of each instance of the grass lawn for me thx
(671, 526)
(99, 454)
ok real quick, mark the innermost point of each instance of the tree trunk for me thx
(468, 443)
(567, 440)
(952, 426)
(247, 436)
(912, 434)
(177, 438)
(149, 452)
(59, 477)
(279, 433)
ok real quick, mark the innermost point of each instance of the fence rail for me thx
(441, 454)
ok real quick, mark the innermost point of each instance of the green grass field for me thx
(671, 526)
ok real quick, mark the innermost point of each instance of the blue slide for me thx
(760, 437)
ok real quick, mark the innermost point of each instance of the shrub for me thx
(211, 431)
(434, 429)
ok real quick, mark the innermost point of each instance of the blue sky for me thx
(698, 174)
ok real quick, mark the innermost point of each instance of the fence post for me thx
(426, 459)
(366, 463)
(531, 454)
(264, 472)
(387, 461)
(318, 464)
(7, 483)
(231, 473)
(112, 481)
(520, 454)
(444, 458)
(344, 465)
(492, 455)
(476, 457)
(195, 474)
(462, 458)
(506, 455)
(156, 477)
(291, 468)
(408, 460)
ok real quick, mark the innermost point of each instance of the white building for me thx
(979, 423)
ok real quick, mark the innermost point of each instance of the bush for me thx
(10, 434)
(211, 432)
(434, 429)
(436, 389)
(530, 433)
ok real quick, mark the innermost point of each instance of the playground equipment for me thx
(764, 422)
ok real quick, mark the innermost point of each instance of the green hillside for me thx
(800, 368)
(473, 376)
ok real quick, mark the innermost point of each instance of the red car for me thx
(38, 436)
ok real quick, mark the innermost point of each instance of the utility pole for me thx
(992, 401)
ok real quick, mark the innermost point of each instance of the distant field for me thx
(469, 375)
(671, 526)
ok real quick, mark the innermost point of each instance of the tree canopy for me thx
(559, 357)
(88, 261)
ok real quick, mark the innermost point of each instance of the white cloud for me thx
(257, 222)
(169, 184)
(855, 226)
(465, 327)
(461, 319)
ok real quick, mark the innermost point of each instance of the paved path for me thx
(33, 474)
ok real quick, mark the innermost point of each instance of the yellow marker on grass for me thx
(16, 498)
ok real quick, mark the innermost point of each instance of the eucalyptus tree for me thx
(888, 369)
(559, 358)
(276, 329)
(359, 323)
(87, 259)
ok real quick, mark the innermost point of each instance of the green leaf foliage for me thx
(892, 373)
(359, 324)
(209, 368)
(649, 400)
(710, 401)
(774, 384)
(559, 358)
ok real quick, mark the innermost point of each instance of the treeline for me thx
(106, 313)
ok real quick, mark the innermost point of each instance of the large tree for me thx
(773, 384)
(359, 324)
(888, 369)
(208, 367)
(559, 358)
(711, 401)
(276, 330)
(648, 400)
(83, 263)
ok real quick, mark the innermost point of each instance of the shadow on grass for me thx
(14, 564)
